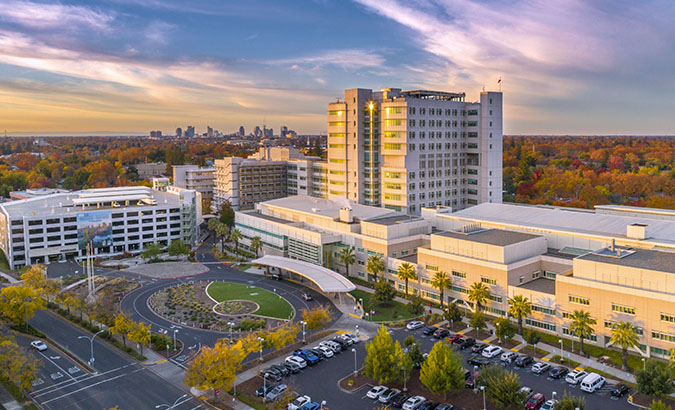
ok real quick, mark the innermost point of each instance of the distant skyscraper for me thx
(156, 134)
(242, 131)
(257, 132)
(209, 132)
(179, 132)
(283, 131)
(190, 132)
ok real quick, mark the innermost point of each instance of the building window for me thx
(459, 274)
(623, 309)
(579, 300)
(663, 336)
(432, 267)
(549, 274)
(540, 325)
(667, 317)
(544, 310)
(488, 280)
(610, 325)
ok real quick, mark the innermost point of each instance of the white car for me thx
(299, 402)
(540, 367)
(414, 325)
(575, 376)
(331, 345)
(326, 351)
(297, 360)
(39, 345)
(492, 351)
(548, 405)
(375, 392)
(508, 356)
(355, 339)
(413, 403)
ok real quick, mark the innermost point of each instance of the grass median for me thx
(271, 304)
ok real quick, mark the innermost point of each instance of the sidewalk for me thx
(8, 401)
(9, 278)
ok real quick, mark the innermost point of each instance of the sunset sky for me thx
(129, 66)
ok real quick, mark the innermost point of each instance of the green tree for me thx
(415, 305)
(581, 326)
(654, 380)
(222, 231)
(478, 322)
(501, 387)
(452, 313)
(409, 341)
(383, 358)
(415, 355)
(139, 333)
(122, 327)
(384, 291)
(151, 251)
(213, 224)
(658, 405)
(441, 281)
(375, 266)
(178, 247)
(406, 271)
(347, 258)
(624, 335)
(504, 328)
(442, 372)
(256, 245)
(479, 294)
(235, 237)
(570, 402)
(226, 214)
(520, 307)
(531, 338)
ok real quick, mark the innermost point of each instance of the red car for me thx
(454, 338)
(535, 402)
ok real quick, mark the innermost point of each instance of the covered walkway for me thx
(326, 280)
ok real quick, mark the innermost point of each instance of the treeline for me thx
(586, 171)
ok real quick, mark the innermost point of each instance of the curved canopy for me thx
(325, 279)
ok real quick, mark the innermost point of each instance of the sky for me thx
(131, 66)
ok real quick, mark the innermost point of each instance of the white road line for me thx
(195, 408)
(57, 386)
(90, 386)
(57, 366)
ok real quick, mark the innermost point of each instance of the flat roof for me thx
(395, 219)
(636, 258)
(566, 220)
(326, 279)
(328, 208)
(498, 237)
(543, 285)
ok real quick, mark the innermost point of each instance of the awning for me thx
(326, 279)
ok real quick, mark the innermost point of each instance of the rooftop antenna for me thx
(500, 83)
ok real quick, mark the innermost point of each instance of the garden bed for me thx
(384, 312)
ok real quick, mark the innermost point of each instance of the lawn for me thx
(271, 305)
(393, 311)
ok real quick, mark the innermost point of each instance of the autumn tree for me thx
(139, 333)
(216, 367)
(123, 326)
(19, 303)
(17, 365)
(316, 318)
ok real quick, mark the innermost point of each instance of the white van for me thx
(592, 382)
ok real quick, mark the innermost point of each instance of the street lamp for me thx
(264, 384)
(230, 324)
(643, 364)
(562, 352)
(91, 341)
(304, 325)
(323, 403)
(483, 390)
(354, 351)
(499, 339)
(405, 387)
(261, 347)
(356, 330)
(553, 394)
(174, 338)
(173, 406)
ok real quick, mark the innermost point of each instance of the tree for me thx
(442, 371)
(317, 318)
(658, 405)
(520, 307)
(501, 387)
(226, 214)
(178, 247)
(409, 341)
(213, 224)
(581, 326)
(406, 271)
(624, 335)
(479, 294)
(415, 356)
(452, 313)
(139, 333)
(281, 337)
(654, 380)
(441, 281)
(17, 365)
(671, 362)
(19, 303)
(235, 237)
(504, 328)
(347, 258)
(384, 291)
(222, 231)
(531, 338)
(478, 322)
(383, 358)
(256, 245)
(216, 367)
(122, 326)
(415, 305)
(151, 250)
(375, 266)
(570, 402)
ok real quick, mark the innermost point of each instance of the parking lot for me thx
(320, 382)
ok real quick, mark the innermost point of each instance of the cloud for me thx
(43, 16)
(346, 59)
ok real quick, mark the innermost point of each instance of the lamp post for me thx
(91, 341)
(173, 406)
(264, 384)
(553, 394)
(355, 370)
(261, 347)
(174, 338)
(405, 387)
(323, 403)
(231, 325)
(499, 339)
(562, 352)
(643, 364)
(484, 404)
(304, 327)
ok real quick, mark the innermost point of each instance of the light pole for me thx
(174, 338)
(323, 403)
(562, 352)
(304, 326)
(261, 347)
(553, 394)
(483, 390)
(264, 384)
(405, 387)
(499, 339)
(643, 364)
(91, 341)
(231, 325)
(173, 406)
(354, 351)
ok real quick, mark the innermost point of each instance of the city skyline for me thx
(128, 67)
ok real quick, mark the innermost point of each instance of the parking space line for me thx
(90, 386)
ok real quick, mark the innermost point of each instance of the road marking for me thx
(160, 361)
(486, 341)
(546, 359)
(581, 369)
(460, 333)
(37, 382)
(56, 375)
(57, 366)
(90, 386)
(75, 380)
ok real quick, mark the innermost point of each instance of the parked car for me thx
(346, 339)
(558, 372)
(478, 347)
(428, 331)
(307, 297)
(467, 343)
(276, 392)
(398, 401)
(270, 374)
(276, 276)
(281, 369)
(478, 360)
(311, 406)
(440, 333)
(414, 325)
(413, 403)
(540, 367)
(428, 405)
(294, 368)
(491, 351)
(264, 389)
(39, 345)
(445, 406)
(318, 353)
(508, 356)
(455, 338)
(535, 402)
(376, 391)
(336, 348)
(388, 395)
(470, 382)
(299, 402)
(355, 339)
(619, 390)
(524, 360)
(574, 377)
(340, 342)
(326, 351)
(527, 393)
(299, 361)
(549, 405)
(592, 382)
(308, 356)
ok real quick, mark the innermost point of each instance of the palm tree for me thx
(581, 326)
(441, 281)
(235, 236)
(222, 230)
(625, 336)
(479, 294)
(256, 245)
(520, 307)
(213, 224)
(375, 266)
(346, 257)
(406, 271)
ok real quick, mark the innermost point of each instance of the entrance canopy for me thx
(327, 280)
